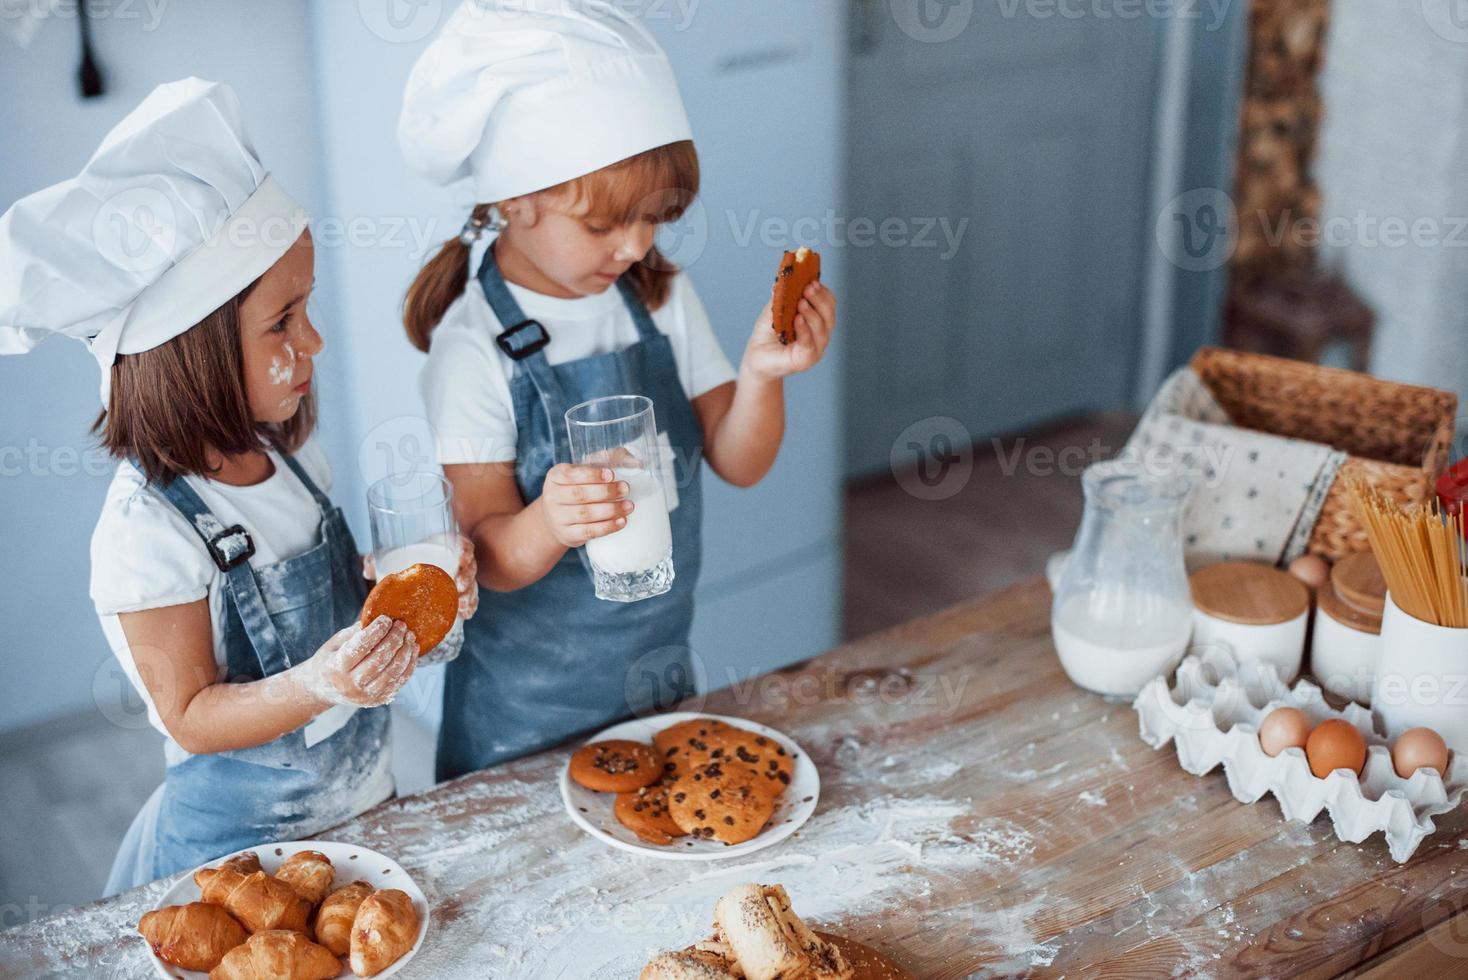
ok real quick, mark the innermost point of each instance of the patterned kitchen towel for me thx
(1256, 497)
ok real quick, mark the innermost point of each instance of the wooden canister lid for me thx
(1249, 593)
(1356, 594)
(1358, 579)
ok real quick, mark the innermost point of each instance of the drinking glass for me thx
(620, 432)
(412, 519)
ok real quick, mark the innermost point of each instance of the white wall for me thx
(51, 648)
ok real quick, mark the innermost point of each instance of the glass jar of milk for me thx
(1123, 613)
(621, 432)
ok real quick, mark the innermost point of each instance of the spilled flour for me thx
(579, 908)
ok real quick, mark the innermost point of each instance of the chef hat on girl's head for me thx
(172, 217)
(527, 94)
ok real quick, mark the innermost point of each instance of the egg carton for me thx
(1213, 711)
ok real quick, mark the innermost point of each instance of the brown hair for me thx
(171, 406)
(616, 194)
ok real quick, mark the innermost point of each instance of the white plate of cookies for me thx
(318, 908)
(690, 787)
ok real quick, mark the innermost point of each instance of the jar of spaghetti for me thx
(1347, 638)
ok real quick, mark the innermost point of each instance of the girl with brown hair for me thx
(227, 583)
(568, 121)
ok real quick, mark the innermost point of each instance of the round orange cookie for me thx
(691, 744)
(719, 803)
(645, 813)
(761, 754)
(616, 766)
(422, 596)
(685, 745)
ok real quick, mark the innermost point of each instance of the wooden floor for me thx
(71, 787)
(907, 557)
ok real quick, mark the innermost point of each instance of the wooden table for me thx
(979, 816)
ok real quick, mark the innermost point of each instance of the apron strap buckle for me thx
(518, 349)
(231, 548)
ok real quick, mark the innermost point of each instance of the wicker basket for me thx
(1398, 436)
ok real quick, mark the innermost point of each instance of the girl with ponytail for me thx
(568, 122)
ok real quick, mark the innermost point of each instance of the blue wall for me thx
(52, 649)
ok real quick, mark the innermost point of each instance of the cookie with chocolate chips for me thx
(684, 746)
(764, 756)
(645, 813)
(722, 803)
(691, 744)
(616, 766)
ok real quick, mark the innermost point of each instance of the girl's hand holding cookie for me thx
(580, 503)
(815, 320)
(364, 666)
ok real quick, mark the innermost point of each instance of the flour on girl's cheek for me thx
(283, 368)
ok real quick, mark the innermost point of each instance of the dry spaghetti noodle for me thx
(1421, 553)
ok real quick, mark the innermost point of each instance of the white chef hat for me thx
(527, 94)
(170, 218)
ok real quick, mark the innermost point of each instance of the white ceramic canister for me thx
(1347, 637)
(1258, 613)
(1422, 677)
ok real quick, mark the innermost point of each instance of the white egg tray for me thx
(1212, 712)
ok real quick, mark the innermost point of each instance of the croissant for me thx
(259, 901)
(194, 936)
(277, 954)
(236, 869)
(309, 873)
(386, 928)
(337, 913)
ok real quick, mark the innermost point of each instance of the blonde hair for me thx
(665, 178)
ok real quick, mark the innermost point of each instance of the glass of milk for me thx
(412, 518)
(621, 432)
(1123, 610)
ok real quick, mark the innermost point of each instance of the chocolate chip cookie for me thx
(616, 766)
(719, 802)
(645, 813)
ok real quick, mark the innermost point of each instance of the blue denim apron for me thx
(276, 616)
(551, 660)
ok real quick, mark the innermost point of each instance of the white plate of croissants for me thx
(307, 910)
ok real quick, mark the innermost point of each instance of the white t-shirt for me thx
(146, 556)
(466, 381)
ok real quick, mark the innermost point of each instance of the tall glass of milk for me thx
(621, 432)
(1123, 611)
(412, 518)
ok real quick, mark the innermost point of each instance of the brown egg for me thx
(1419, 748)
(1313, 570)
(1335, 744)
(1284, 728)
